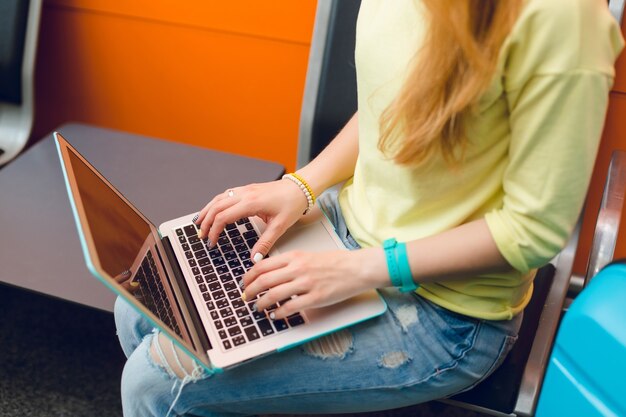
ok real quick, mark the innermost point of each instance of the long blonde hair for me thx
(454, 67)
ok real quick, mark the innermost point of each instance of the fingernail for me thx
(257, 257)
(134, 284)
(272, 315)
(199, 233)
(243, 296)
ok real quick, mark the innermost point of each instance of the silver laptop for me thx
(187, 290)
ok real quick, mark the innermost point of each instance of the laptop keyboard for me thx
(152, 294)
(218, 273)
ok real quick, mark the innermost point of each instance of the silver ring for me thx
(231, 193)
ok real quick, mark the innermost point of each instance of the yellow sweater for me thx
(532, 145)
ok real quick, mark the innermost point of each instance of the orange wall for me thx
(227, 75)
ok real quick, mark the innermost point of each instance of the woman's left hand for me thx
(318, 279)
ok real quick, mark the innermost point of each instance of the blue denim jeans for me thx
(415, 352)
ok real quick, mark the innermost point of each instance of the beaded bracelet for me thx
(398, 265)
(306, 189)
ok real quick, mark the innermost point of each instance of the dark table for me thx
(39, 246)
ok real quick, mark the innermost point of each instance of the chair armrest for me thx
(603, 247)
(535, 368)
(609, 216)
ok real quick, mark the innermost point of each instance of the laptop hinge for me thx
(184, 290)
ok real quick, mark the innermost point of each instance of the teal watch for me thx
(398, 265)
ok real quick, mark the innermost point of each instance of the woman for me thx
(475, 153)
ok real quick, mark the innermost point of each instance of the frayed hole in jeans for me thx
(186, 370)
(172, 360)
(406, 316)
(334, 345)
(394, 360)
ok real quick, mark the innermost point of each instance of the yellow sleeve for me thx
(555, 127)
(557, 79)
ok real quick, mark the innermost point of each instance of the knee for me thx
(153, 374)
(130, 327)
(144, 386)
(120, 310)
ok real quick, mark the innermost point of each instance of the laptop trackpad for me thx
(313, 237)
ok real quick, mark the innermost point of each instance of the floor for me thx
(61, 359)
(58, 359)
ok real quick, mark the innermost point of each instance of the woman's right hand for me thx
(279, 204)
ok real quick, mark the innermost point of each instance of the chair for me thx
(330, 100)
(586, 368)
(19, 28)
(330, 89)
(514, 388)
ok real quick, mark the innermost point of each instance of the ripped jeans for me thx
(415, 352)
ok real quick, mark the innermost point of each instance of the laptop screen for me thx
(124, 246)
(118, 232)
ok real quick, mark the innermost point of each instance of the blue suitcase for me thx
(586, 374)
